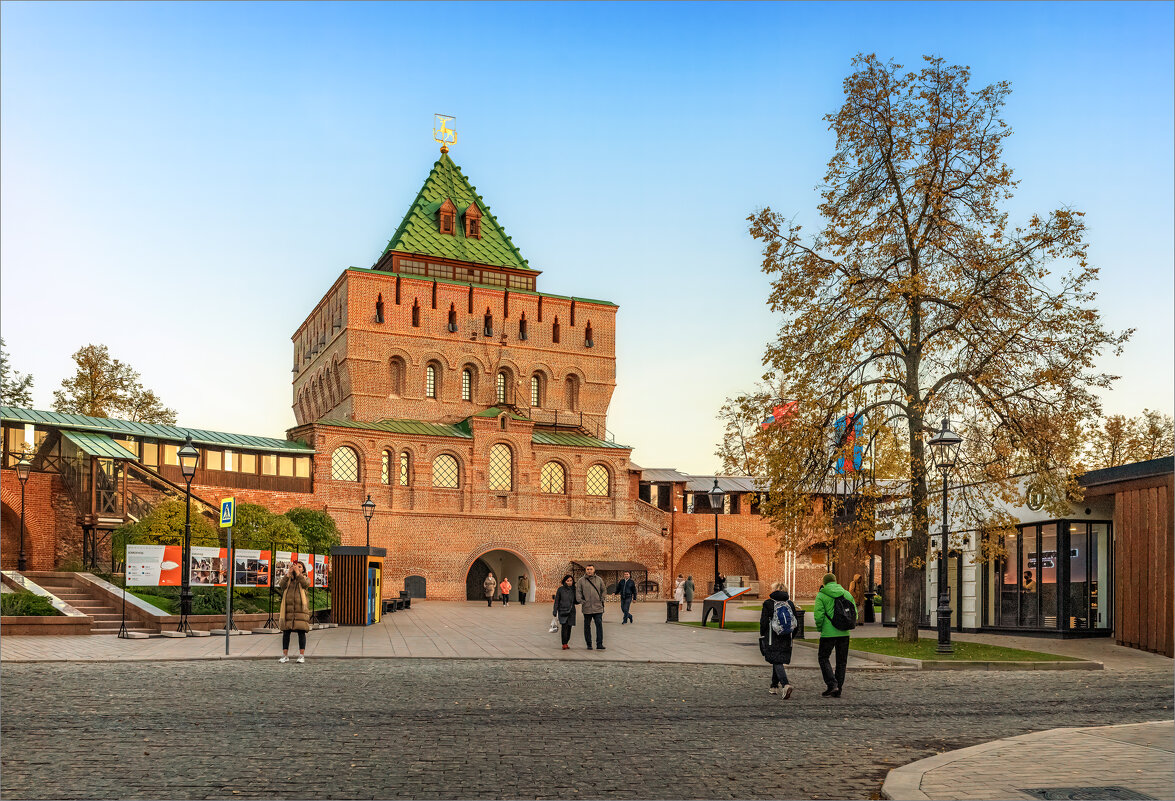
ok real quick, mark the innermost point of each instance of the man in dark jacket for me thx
(627, 590)
(832, 638)
(589, 594)
(776, 648)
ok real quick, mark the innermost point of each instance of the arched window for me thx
(379, 308)
(467, 384)
(430, 381)
(405, 468)
(416, 313)
(536, 390)
(522, 327)
(587, 336)
(452, 319)
(555, 331)
(571, 393)
(344, 464)
(501, 386)
(385, 468)
(396, 369)
(488, 320)
(444, 472)
(597, 480)
(501, 472)
(553, 478)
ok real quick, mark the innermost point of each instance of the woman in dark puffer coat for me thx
(564, 608)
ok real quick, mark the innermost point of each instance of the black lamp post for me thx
(368, 513)
(944, 449)
(22, 472)
(716, 498)
(189, 457)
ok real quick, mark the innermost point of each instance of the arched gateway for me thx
(503, 563)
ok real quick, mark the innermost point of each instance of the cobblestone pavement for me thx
(438, 728)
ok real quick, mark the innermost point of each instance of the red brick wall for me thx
(52, 535)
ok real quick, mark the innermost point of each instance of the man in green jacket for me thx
(832, 638)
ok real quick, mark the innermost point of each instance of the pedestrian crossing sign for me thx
(228, 508)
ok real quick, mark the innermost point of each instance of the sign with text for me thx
(209, 567)
(153, 565)
(251, 568)
(320, 570)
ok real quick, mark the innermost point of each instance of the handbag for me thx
(554, 625)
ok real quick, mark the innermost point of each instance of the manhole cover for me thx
(1087, 793)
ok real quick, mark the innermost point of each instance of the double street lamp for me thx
(944, 449)
(189, 457)
(368, 512)
(22, 472)
(717, 496)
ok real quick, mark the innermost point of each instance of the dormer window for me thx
(472, 222)
(447, 217)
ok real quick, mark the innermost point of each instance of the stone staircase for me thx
(106, 614)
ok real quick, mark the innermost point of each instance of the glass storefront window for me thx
(1099, 574)
(1078, 576)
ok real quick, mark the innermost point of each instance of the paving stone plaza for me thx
(492, 717)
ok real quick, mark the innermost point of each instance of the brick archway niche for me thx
(502, 561)
(698, 561)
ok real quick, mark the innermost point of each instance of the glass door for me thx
(1079, 590)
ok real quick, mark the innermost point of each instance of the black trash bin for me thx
(799, 632)
(671, 608)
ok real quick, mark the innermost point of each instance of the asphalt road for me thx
(439, 728)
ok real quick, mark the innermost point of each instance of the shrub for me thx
(21, 604)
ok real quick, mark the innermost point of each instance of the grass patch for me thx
(168, 605)
(25, 604)
(731, 625)
(964, 651)
(210, 600)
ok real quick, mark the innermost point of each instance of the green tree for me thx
(916, 300)
(106, 387)
(15, 389)
(257, 527)
(164, 525)
(318, 528)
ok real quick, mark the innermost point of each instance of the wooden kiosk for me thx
(355, 581)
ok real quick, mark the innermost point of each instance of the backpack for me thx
(783, 621)
(844, 613)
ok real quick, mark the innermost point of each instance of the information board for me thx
(154, 565)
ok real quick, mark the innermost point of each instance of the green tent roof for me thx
(116, 427)
(98, 445)
(419, 234)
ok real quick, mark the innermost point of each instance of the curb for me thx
(957, 664)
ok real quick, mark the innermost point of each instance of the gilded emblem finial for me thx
(443, 131)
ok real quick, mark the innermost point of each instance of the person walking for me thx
(834, 624)
(679, 590)
(627, 590)
(687, 592)
(564, 608)
(720, 585)
(505, 589)
(589, 593)
(295, 610)
(776, 646)
(523, 589)
(489, 585)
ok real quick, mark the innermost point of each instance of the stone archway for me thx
(698, 561)
(502, 561)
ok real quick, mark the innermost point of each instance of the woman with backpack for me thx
(564, 608)
(776, 624)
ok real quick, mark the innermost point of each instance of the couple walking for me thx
(683, 593)
(835, 615)
(587, 593)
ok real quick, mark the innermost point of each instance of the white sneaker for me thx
(284, 659)
(301, 659)
(773, 691)
(786, 691)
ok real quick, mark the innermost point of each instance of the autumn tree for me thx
(15, 389)
(1118, 439)
(106, 387)
(917, 300)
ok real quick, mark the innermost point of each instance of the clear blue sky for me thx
(182, 182)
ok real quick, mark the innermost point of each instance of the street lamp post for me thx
(716, 498)
(368, 512)
(944, 449)
(189, 457)
(22, 472)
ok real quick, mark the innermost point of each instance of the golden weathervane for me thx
(442, 132)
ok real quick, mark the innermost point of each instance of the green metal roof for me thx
(405, 427)
(419, 233)
(116, 427)
(98, 445)
(572, 440)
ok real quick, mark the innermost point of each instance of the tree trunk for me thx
(914, 571)
(908, 611)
